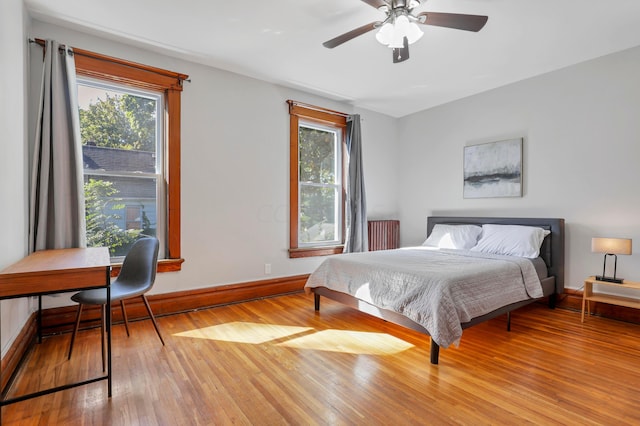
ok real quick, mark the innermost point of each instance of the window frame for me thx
(110, 69)
(307, 113)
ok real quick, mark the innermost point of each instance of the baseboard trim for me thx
(20, 345)
(60, 320)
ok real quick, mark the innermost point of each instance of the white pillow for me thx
(511, 240)
(453, 236)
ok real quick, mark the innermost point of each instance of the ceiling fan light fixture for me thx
(400, 27)
(392, 34)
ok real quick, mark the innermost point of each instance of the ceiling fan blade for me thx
(376, 3)
(453, 20)
(401, 54)
(351, 34)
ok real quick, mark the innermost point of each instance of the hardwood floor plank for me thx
(278, 362)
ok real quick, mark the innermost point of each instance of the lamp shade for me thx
(385, 34)
(611, 245)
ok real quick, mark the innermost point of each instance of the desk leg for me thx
(109, 331)
(39, 318)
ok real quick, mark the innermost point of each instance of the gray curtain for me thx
(357, 239)
(56, 207)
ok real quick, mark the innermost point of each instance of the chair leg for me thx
(124, 316)
(103, 312)
(153, 319)
(75, 329)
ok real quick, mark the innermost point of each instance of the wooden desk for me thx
(57, 271)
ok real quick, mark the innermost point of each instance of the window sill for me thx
(314, 251)
(164, 265)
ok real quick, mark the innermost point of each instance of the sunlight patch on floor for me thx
(345, 341)
(245, 332)
(353, 342)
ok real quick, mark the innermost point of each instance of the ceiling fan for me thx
(400, 28)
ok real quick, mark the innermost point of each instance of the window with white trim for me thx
(317, 193)
(122, 149)
(319, 185)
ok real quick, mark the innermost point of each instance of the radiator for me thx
(384, 234)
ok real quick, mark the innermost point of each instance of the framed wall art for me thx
(493, 169)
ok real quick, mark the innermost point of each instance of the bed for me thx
(443, 291)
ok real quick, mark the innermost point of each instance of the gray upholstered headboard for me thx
(552, 250)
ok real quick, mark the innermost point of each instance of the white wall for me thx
(581, 130)
(13, 194)
(235, 168)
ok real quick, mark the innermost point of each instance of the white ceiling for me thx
(280, 41)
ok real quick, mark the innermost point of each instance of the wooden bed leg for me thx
(509, 321)
(435, 351)
(316, 301)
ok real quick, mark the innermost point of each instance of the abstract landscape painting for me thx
(493, 169)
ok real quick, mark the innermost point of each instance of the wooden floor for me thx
(277, 362)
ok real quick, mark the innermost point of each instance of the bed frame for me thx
(552, 251)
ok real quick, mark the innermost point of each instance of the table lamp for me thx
(610, 247)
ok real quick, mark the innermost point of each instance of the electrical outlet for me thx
(267, 268)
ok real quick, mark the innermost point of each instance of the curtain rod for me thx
(41, 43)
(317, 108)
(87, 53)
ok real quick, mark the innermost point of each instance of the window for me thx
(132, 174)
(317, 192)
(122, 151)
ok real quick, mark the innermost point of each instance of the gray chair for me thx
(136, 277)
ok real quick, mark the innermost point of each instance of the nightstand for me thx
(588, 295)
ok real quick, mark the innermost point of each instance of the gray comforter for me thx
(439, 289)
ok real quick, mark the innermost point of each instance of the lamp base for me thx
(609, 279)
